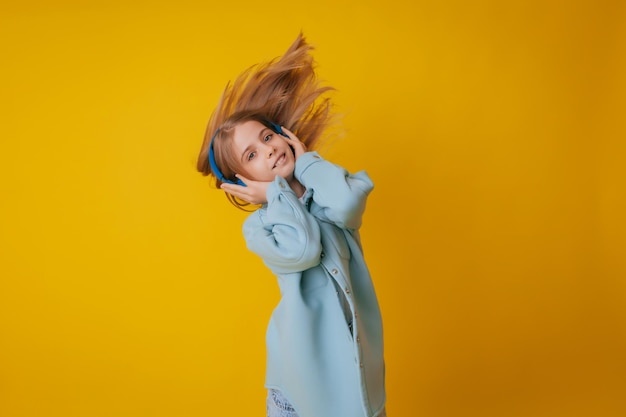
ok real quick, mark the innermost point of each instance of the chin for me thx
(288, 170)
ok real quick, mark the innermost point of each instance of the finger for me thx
(236, 190)
(293, 137)
(243, 179)
(299, 145)
(289, 133)
(231, 188)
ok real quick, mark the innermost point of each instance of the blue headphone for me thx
(216, 171)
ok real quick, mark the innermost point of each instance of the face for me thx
(262, 153)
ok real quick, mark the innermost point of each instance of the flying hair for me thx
(284, 91)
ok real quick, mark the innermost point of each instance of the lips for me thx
(279, 161)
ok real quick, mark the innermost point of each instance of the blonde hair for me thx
(284, 91)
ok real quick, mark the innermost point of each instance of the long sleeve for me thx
(341, 195)
(283, 233)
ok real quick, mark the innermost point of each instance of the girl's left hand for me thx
(295, 143)
(254, 193)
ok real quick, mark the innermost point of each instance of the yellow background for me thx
(494, 132)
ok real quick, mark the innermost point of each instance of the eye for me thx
(267, 138)
(251, 155)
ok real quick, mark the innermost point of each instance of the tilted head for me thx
(284, 91)
(249, 144)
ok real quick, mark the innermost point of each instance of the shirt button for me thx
(358, 339)
(322, 254)
(347, 290)
(281, 185)
(361, 364)
(334, 271)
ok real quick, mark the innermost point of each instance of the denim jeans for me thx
(278, 406)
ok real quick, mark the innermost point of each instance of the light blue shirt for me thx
(314, 249)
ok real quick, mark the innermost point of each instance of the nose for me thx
(270, 151)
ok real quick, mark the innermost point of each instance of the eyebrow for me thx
(261, 133)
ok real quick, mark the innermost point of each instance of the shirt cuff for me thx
(304, 162)
(276, 187)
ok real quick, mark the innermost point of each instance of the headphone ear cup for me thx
(279, 130)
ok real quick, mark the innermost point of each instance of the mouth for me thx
(279, 161)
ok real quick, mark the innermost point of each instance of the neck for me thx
(296, 186)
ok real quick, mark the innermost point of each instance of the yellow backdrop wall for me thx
(494, 132)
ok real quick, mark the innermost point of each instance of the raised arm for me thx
(341, 195)
(283, 233)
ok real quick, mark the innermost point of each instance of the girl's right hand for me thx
(298, 147)
(254, 193)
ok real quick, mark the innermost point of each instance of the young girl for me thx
(324, 339)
